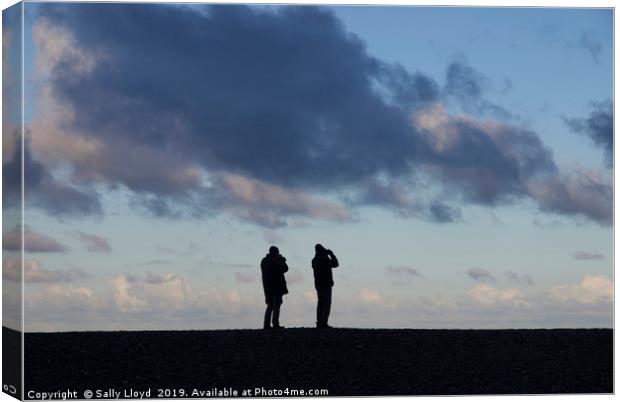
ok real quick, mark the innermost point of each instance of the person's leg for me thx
(268, 310)
(324, 296)
(328, 305)
(277, 302)
(319, 308)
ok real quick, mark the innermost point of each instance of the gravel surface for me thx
(343, 361)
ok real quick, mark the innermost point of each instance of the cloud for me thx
(487, 295)
(272, 238)
(369, 296)
(507, 85)
(592, 44)
(34, 273)
(326, 103)
(592, 289)
(463, 81)
(33, 242)
(402, 275)
(581, 192)
(169, 292)
(396, 196)
(442, 213)
(44, 190)
(598, 126)
(269, 205)
(211, 126)
(94, 243)
(519, 278)
(479, 274)
(487, 162)
(466, 84)
(71, 299)
(586, 255)
(170, 301)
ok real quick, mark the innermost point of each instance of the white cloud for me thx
(372, 297)
(369, 296)
(170, 301)
(33, 272)
(591, 289)
(486, 295)
(125, 300)
(64, 298)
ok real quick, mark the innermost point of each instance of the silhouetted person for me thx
(273, 266)
(322, 263)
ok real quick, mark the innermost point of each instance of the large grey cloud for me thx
(269, 94)
(280, 100)
(42, 189)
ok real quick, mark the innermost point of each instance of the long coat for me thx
(322, 265)
(273, 268)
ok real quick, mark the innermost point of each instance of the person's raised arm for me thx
(283, 265)
(333, 259)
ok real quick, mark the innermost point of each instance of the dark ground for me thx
(343, 361)
(11, 362)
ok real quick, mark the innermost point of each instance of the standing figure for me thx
(273, 266)
(322, 263)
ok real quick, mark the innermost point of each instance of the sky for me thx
(458, 161)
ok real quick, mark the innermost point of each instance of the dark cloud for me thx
(442, 213)
(579, 193)
(507, 85)
(396, 196)
(42, 190)
(33, 242)
(402, 275)
(250, 87)
(467, 85)
(519, 278)
(592, 44)
(599, 126)
(94, 243)
(488, 163)
(242, 103)
(479, 274)
(586, 255)
(463, 81)
(408, 89)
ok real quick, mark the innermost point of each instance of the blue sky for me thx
(455, 159)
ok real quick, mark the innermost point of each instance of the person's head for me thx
(319, 249)
(273, 250)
